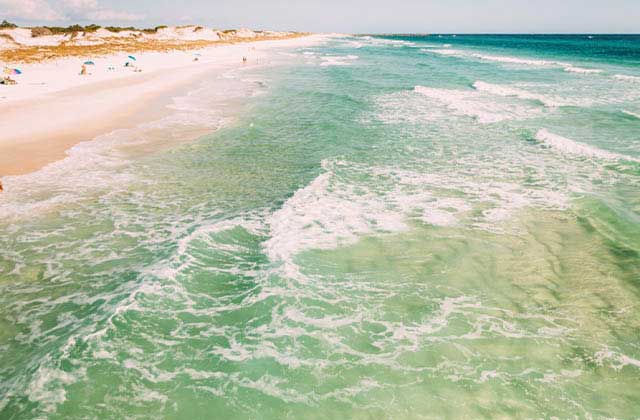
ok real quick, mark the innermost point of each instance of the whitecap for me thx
(333, 211)
(446, 51)
(324, 214)
(337, 60)
(627, 78)
(617, 360)
(474, 104)
(572, 147)
(574, 69)
(516, 60)
(568, 67)
(48, 386)
(502, 90)
(633, 114)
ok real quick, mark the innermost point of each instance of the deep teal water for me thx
(375, 227)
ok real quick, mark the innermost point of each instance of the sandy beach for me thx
(53, 107)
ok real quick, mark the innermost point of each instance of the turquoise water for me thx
(400, 227)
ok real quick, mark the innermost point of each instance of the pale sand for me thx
(53, 108)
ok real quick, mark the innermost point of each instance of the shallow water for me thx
(407, 227)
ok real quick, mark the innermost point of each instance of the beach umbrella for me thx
(132, 57)
(8, 70)
(89, 63)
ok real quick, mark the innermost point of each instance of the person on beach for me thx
(1, 187)
(83, 72)
(244, 59)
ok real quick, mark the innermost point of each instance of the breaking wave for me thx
(501, 90)
(339, 60)
(475, 104)
(572, 147)
(569, 68)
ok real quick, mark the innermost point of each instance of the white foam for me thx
(486, 375)
(503, 197)
(328, 322)
(633, 114)
(407, 107)
(574, 69)
(627, 78)
(338, 60)
(572, 147)
(329, 213)
(617, 360)
(325, 214)
(392, 42)
(474, 104)
(333, 211)
(448, 52)
(204, 232)
(48, 386)
(502, 90)
(570, 68)
(516, 60)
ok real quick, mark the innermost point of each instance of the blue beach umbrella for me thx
(89, 63)
(132, 57)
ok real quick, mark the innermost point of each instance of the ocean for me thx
(373, 227)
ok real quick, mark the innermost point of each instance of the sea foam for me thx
(474, 104)
(627, 78)
(337, 208)
(501, 90)
(632, 114)
(572, 147)
(447, 51)
(338, 60)
(568, 67)
(574, 69)
(516, 60)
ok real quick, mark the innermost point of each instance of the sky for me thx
(348, 16)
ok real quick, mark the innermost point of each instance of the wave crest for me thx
(572, 147)
(474, 104)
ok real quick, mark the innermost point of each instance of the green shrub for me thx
(62, 30)
(120, 29)
(92, 28)
(7, 25)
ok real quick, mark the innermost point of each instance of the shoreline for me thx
(45, 115)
